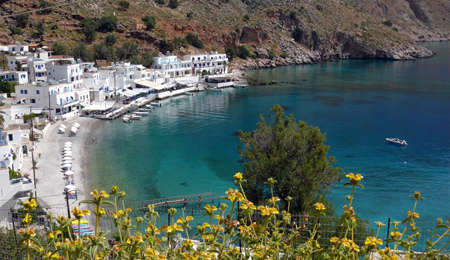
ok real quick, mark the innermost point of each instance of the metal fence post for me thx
(388, 227)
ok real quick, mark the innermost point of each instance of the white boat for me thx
(149, 106)
(215, 89)
(396, 141)
(145, 110)
(135, 117)
(189, 93)
(142, 113)
(156, 104)
(126, 119)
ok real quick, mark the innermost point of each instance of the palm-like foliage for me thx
(2, 118)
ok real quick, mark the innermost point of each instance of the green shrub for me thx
(59, 48)
(124, 5)
(165, 46)
(189, 15)
(387, 23)
(284, 55)
(293, 15)
(149, 21)
(54, 27)
(161, 2)
(271, 55)
(23, 19)
(173, 4)
(193, 40)
(108, 23)
(45, 4)
(110, 40)
(90, 28)
(297, 34)
(242, 52)
(14, 174)
(246, 17)
(17, 30)
(230, 52)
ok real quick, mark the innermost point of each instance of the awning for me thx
(187, 81)
(36, 111)
(129, 93)
(148, 84)
(142, 90)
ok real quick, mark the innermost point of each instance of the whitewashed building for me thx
(65, 69)
(20, 77)
(171, 66)
(208, 62)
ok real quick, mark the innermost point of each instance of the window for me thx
(77, 77)
(71, 79)
(26, 91)
(37, 92)
(51, 92)
(21, 91)
(32, 100)
(10, 137)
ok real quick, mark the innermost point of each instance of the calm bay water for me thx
(189, 145)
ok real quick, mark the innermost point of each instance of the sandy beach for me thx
(50, 183)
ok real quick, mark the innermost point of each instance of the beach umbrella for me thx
(67, 165)
(70, 186)
(68, 143)
(68, 146)
(67, 158)
(67, 149)
(69, 172)
(76, 124)
(63, 126)
(73, 128)
(67, 161)
(69, 153)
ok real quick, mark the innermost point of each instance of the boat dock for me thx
(180, 200)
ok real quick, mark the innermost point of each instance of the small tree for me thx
(297, 34)
(246, 17)
(164, 46)
(124, 5)
(173, 4)
(90, 28)
(18, 65)
(194, 40)
(23, 19)
(149, 21)
(179, 42)
(40, 28)
(81, 52)
(59, 48)
(110, 40)
(293, 154)
(161, 2)
(230, 52)
(108, 23)
(242, 52)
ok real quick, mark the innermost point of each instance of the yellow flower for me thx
(210, 210)
(50, 235)
(266, 211)
(413, 215)
(395, 235)
(394, 257)
(188, 244)
(100, 212)
(31, 232)
(274, 200)
(334, 240)
(247, 205)
(373, 241)
(27, 219)
(238, 177)
(354, 179)
(79, 214)
(114, 189)
(234, 196)
(319, 207)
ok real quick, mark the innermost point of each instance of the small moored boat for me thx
(396, 141)
(126, 119)
(135, 117)
(188, 93)
(142, 113)
(215, 89)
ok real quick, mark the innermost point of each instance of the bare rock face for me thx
(146, 36)
(249, 35)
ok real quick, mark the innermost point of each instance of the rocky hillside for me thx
(328, 29)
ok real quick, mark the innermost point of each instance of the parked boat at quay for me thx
(135, 117)
(215, 89)
(142, 113)
(396, 141)
(126, 119)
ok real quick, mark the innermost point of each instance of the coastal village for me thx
(59, 92)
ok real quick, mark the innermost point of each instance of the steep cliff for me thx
(329, 29)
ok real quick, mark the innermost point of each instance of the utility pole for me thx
(67, 202)
(32, 156)
(49, 109)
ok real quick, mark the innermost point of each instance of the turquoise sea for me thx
(189, 145)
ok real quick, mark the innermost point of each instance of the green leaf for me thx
(429, 243)
(346, 184)
(442, 226)
(359, 185)
(87, 201)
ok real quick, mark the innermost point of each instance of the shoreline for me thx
(50, 183)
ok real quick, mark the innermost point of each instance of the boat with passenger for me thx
(396, 141)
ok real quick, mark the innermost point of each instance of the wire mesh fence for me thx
(12, 220)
